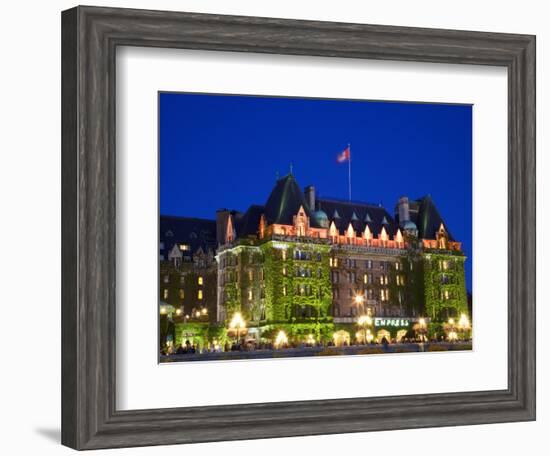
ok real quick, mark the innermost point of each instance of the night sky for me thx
(220, 151)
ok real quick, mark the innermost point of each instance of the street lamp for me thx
(463, 324)
(360, 301)
(451, 334)
(365, 321)
(422, 328)
(236, 324)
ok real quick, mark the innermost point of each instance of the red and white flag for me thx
(344, 156)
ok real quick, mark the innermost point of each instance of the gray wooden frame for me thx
(89, 38)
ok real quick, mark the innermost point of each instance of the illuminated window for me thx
(185, 247)
(283, 253)
(165, 293)
(284, 270)
(181, 294)
(250, 295)
(284, 290)
(201, 281)
(250, 275)
(200, 294)
(166, 278)
(365, 278)
(446, 294)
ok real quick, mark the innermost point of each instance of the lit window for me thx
(200, 294)
(283, 253)
(182, 294)
(166, 278)
(250, 295)
(250, 275)
(201, 281)
(185, 247)
(284, 290)
(165, 293)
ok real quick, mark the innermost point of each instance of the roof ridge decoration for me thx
(336, 215)
(368, 218)
(354, 217)
(385, 221)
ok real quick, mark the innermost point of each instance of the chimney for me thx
(403, 209)
(309, 193)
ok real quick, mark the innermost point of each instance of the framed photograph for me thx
(280, 228)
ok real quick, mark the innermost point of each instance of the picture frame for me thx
(90, 36)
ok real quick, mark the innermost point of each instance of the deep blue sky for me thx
(224, 151)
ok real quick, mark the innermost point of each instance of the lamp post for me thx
(360, 301)
(422, 328)
(451, 334)
(463, 325)
(236, 324)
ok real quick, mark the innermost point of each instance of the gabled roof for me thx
(195, 232)
(425, 215)
(285, 201)
(365, 213)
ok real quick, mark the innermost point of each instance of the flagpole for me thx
(349, 171)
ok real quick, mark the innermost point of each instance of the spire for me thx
(290, 169)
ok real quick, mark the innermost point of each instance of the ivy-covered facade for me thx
(311, 267)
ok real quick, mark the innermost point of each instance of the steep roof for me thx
(424, 213)
(285, 201)
(359, 214)
(196, 232)
(249, 222)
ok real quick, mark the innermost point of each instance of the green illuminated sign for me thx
(396, 322)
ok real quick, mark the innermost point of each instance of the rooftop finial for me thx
(276, 175)
(291, 168)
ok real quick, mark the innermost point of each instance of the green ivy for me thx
(281, 307)
(436, 307)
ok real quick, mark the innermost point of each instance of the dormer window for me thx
(301, 222)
